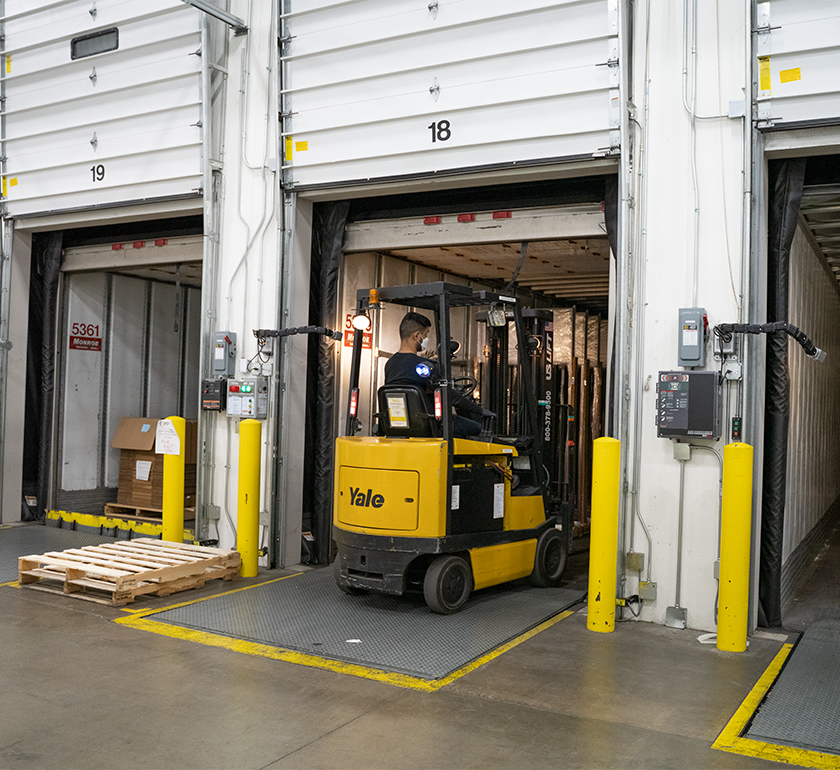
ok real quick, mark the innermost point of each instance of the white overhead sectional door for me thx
(375, 89)
(102, 103)
(798, 48)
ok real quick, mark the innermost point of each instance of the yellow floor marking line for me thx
(730, 737)
(141, 621)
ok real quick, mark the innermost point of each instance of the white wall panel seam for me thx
(438, 63)
(66, 38)
(71, 74)
(428, 113)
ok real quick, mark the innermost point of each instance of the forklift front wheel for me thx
(550, 559)
(351, 590)
(448, 584)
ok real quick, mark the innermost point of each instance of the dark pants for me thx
(463, 427)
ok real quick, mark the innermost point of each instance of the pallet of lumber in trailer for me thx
(117, 573)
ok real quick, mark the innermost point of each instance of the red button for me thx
(234, 388)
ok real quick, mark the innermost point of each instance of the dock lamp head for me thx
(361, 321)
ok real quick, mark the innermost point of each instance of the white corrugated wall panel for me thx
(799, 60)
(142, 101)
(813, 467)
(164, 375)
(365, 82)
(126, 352)
(192, 353)
(82, 386)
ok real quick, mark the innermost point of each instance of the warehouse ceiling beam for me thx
(239, 26)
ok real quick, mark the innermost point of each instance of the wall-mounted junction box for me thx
(691, 347)
(224, 354)
(248, 398)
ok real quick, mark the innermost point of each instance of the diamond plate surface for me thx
(308, 613)
(37, 539)
(802, 708)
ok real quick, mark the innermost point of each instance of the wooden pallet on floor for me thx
(138, 513)
(117, 573)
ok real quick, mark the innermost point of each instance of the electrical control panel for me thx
(691, 348)
(688, 405)
(224, 354)
(214, 395)
(248, 398)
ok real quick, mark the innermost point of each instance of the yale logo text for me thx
(362, 500)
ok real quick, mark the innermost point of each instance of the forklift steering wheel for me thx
(464, 385)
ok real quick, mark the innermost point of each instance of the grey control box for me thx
(688, 405)
(248, 398)
(691, 347)
(224, 354)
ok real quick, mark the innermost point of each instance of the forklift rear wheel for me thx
(351, 590)
(550, 559)
(448, 584)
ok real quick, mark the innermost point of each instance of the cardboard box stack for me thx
(141, 470)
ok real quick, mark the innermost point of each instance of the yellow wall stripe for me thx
(730, 738)
(140, 620)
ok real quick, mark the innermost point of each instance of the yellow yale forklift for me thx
(417, 508)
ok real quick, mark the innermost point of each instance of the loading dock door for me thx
(129, 339)
(798, 49)
(378, 89)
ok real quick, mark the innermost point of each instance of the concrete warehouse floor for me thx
(79, 691)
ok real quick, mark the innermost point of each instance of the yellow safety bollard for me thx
(173, 486)
(248, 511)
(603, 535)
(735, 528)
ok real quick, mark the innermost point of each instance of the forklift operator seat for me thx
(404, 412)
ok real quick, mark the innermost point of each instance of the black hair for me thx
(411, 323)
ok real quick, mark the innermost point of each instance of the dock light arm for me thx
(724, 333)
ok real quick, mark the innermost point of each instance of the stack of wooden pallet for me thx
(117, 573)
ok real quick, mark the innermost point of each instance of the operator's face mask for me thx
(424, 344)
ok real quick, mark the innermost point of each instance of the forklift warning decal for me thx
(85, 343)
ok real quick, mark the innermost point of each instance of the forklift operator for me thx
(407, 368)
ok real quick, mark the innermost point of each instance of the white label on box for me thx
(691, 337)
(498, 501)
(144, 468)
(456, 497)
(234, 405)
(166, 439)
(220, 352)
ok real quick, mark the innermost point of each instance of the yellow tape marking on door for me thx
(764, 73)
(788, 76)
(289, 148)
(8, 64)
(4, 187)
(301, 146)
(13, 182)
